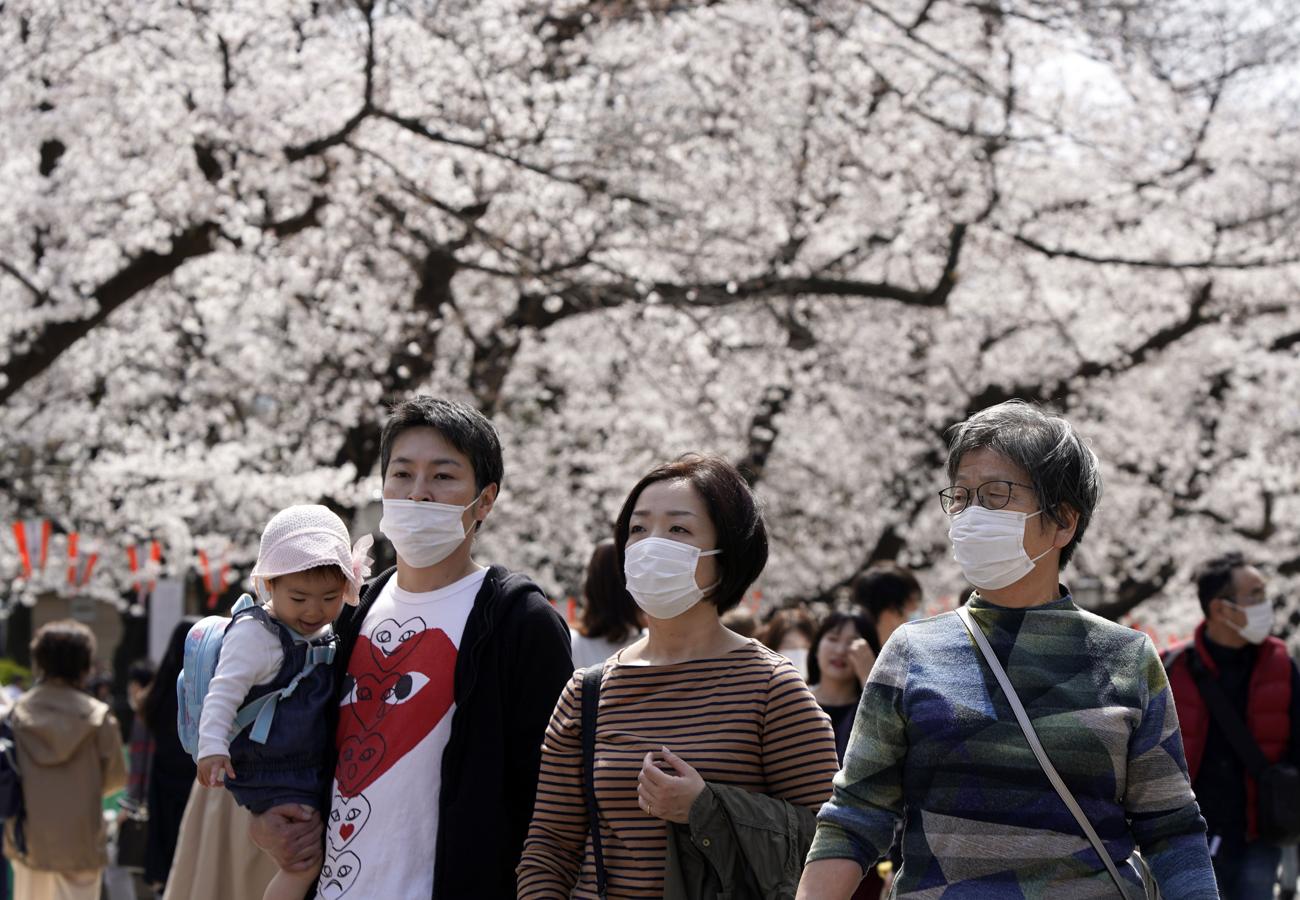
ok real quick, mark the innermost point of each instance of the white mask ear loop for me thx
(1045, 552)
(474, 521)
(704, 592)
(1035, 559)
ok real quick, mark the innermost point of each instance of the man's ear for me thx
(1226, 610)
(486, 502)
(1065, 533)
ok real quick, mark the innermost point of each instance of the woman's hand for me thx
(667, 786)
(861, 658)
(213, 770)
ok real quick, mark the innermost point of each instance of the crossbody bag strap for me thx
(1036, 746)
(590, 698)
(1227, 718)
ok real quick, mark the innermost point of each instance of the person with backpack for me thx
(262, 729)
(446, 674)
(69, 757)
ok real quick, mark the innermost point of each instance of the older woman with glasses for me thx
(939, 742)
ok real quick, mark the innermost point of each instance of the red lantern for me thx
(33, 538)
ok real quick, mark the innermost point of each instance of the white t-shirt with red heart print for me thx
(394, 722)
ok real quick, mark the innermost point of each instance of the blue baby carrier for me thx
(202, 650)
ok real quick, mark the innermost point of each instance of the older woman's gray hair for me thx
(1062, 469)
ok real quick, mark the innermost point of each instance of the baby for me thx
(306, 570)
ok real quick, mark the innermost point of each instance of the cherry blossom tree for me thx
(809, 236)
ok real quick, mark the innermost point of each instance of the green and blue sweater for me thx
(936, 744)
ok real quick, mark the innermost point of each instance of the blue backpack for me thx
(202, 650)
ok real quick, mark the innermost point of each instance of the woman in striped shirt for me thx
(688, 705)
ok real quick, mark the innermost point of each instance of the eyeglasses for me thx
(990, 495)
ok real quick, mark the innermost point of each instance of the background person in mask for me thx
(937, 745)
(447, 673)
(790, 632)
(691, 719)
(1233, 647)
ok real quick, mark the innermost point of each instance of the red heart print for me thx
(360, 758)
(392, 641)
(348, 816)
(402, 705)
(368, 698)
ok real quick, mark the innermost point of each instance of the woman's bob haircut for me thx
(736, 516)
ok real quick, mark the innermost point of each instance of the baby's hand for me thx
(215, 769)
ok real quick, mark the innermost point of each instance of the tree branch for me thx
(405, 368)
(40, 295)
(763, 431)
(140, 273)
(543, 310)
(320, 145)
(1285, 342)
(1133, 591)
(1058, 390)
(1066, 253)
(308, 218)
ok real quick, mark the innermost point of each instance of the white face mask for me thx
(660, 576)
(423, 533)
(1259, 622)
(800, 660)
(989, 545)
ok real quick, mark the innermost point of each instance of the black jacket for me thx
(514, 660)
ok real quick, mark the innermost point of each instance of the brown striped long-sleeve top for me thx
(745, 718)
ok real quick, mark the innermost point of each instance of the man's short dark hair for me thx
(1062, 469)
(1214, 578)
(64, 650)
(464, 427)
(886, 585)
(736, 515)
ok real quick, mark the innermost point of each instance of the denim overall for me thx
(291, 767)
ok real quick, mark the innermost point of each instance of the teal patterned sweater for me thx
(936, 744)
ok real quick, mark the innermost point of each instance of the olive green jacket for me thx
(738, 845)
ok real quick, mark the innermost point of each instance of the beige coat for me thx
(70, 758)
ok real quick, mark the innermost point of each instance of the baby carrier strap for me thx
(261, 712)
(258, 612)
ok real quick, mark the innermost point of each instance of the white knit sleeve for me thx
(250, 655)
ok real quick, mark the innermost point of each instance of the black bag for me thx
(1277, 806)
(11, 784)
(591, 677)
(132, 833)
